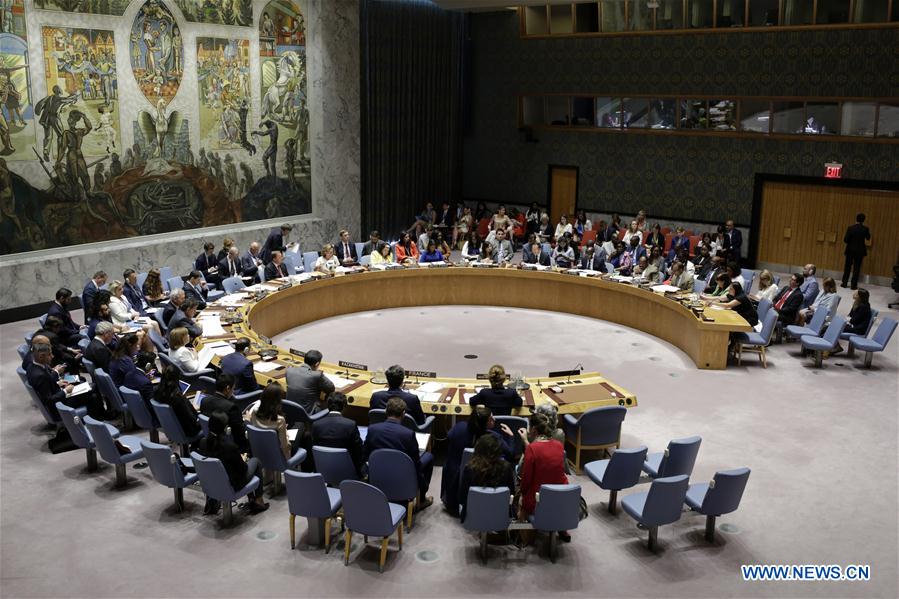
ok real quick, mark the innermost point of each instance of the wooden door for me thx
(802, 223)
(562, 192)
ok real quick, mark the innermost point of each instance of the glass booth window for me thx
(789, 117)
(635, 113)
(722, 115)
(822, 118)
(535, 21)
(872, 11)
(763, 13)
(730, 13)
(662, 114)
(560, 19)
(694, 114)
(640, 15)
(858, 119)
(888, 119)
(586, 17)
(699, 14)
(532, 111)
(670, 14)
(608, 113)
(557, 110)
(582, 111)
(755, 116)
(798, 12)
(832, 11)
(612, 16)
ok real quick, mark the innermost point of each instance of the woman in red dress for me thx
(544, 464)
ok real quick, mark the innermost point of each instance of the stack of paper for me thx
(205, 357)
(433, 397)
(79, 389)
(266, 366)
(212, 325)
(220, 348)
(431, 387)
(339, 382)
(665, 288)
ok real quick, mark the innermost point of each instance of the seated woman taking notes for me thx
(381, 255)
(180, 353)
(327, 262)
(431, 254)
(406, 250)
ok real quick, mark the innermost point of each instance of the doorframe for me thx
(549, 185)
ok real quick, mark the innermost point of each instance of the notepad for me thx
(665, 288)
(431, 387)
(339, 382)
(212, 325)
(266, 366)
(79, 389)
(292, 434)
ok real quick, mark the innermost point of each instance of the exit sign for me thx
(833, 170)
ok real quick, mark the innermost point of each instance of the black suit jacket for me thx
(217, 403)
(180, 319)
(855, 238)
(338, 251)
(228, 453)
(240, 368)
(88, 295)
(393, 435)
(445, 219)
(204, 262)
(138, 380)
(595, 263)
(271, 271)
(542, 259)
(500, 401)
(224, 272)
(274, 241)
(98, 353)
(69, 328)
(791, 307)
(334, 430)
(43, 380)
(191, 292)
(413, 404)
(735, 240)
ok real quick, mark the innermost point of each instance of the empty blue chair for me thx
(163, 325)
(659, 506)
(294, 412)
(309, 497)
(137, 407)
(290, 263)
(260, 272)
(212, 293)
(487, 511)
(171, 427)
(265, 445)
(110, 393)
(166, 273)
(720, 496)
(36, 400)
(882, 336)
(377, 415)
(159, 342)
(367, 511)
(309, 259)
(215, 483)
(166, 469)
(109, 450)
(763, 308)
(22, 350)
(42, 319)
(621, 471)
(83, 343)
(826, 343)
(141, 278)
(89, 366)
(173, 283)
(610, 268)
(334, 464)
(359, 246)
(233, 284)
(756, 342)
(558, 508)
(546, 248)
(394, 473)
(678, 458)
(599, 428)
(81, 437)
(748, 278)
(365, 260)
(814, 326)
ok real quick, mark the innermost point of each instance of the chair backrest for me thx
(169, 422)
(71, 419)
(138, 408)
(376, 415)
(141, 279)
(874, 314)
(365, 509)
(487, 509)
(173, 283)
(163, 325)
(394, 473)
(624, 468)
(665, 500)
(680, 457)
(699, 286)
(290, 263)
(108, 389)
(266, 447)
(260, 272)
(725, 492)
(163, 464)
(359, 246)
(833, 308)
(232, 284)
(777, 281)
(763, 308)
(166, 273)
(834, 330)
(467, 454)
(334, 464)
(22, 350)
(748, 277)
(294, 412)
(768, 325)
(601, 426)
(307, 495)
(83, 343)
(42, 319)
(546, 248)
(213, 477)
(103, 440)
(884, 331)
(35, 399)
(161, 345)
(610, 267)
(365, 260)
(89, 366)
(559, 507)
(818, 319)
(309, 259)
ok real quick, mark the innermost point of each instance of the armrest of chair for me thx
(318, 415)
(243, 401)
(192, 376)
(426, 426)
(570, 420)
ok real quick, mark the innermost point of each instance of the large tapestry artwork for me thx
(16, 109)
(223, 85)
(157, 52)
(218, 12)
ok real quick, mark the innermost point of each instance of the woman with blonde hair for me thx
(119, 308)
(327, 262)
(497, 397)
(767, 289)
(180, 352)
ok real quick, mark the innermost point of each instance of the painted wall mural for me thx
(232, 149)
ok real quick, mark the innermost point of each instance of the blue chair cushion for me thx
(652, 463)
(250, 486)
(296, 458)
(133, 444)
(334, 498)
(191, 479)
(211, 296)
(750, 338)
(815, 343)
(865, 344)
(596, 470)
(695, 495)
(633, 505)
(794, 330)
(397, 513)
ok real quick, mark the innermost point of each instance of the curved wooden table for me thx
(663, 317)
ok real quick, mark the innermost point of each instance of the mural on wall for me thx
(16, 110)
(218, 12)
(157, 52)
(223, 78)
(94, 7)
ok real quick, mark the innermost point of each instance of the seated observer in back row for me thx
(395, 377)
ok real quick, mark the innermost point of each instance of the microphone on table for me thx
(579, 367)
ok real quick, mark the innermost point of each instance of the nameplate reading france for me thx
(422, 374)
(343, 364)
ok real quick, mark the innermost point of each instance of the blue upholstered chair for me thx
(89, 366)
(365, 260)
(488, 511)
(699, 286)
(260, 272)
(42, 319)
(720, 496)
(110, 394)
(367, 511)
(72, 419)
(163, 325)
(659, 506)
(610, 268)
(621, 471)
(309, 497)
(749, 278)
(203, 419)
(36, 400)
(309, 259)
(756, 342)
(173, 283)
(882, 336)
(212, 293)
(166, 273)
(763, 308)
(83, 343)
(814, 326)
(678, 458)
(599, 428)
(243, 400)
(139, 412)
(159, 342)
(22, 350)
(359, 246)
(826, 343)
(166, 470)
(847, 336)
(334, 464)
(266, 446)
(380, 415)
(233, 284)
(294, 412)
(108, 449)
(215, 483)
(393, 472)
(141, 278)
(171, 427)
(558, 508)
(290, 263)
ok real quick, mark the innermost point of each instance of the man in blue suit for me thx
(395, 376)
(91, 290)
(240, 368)
(391, 434)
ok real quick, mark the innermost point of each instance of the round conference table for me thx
(276, 306)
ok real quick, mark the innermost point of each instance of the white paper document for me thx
(212, 325)
(431, 397)
(665, 288)
(431, 387)
(81, 388)
(466, 397)
(204, 357)
(266, 366)
(339, 382)
(423, 439)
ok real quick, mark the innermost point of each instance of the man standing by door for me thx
(855, 238)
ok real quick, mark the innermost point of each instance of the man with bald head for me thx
(37, 339)
(251, 261)
(176, 298)
(229, 266)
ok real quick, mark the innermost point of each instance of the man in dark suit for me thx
(276, 240)
(184, 317)
(789, 300)
(223, 401)
(195, 289)
(444, 218)
(99, 350)
(133, 292)
(593, 260)
(306, 384)
(335, 430)
(69, 355)
(391, 434)
(240, 368)
(395, 377)
(251, 261)
(176, 300)
(734, 240)
(276, 268)
(91, 290)
(140, 378)
(28, 360)
(856, 250)
(345, 250)
(208, 264)
(536, 256)
(374, 240)
(69, 331)
(229, 266)
(50, 389)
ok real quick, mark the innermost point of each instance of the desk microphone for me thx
(579, 367)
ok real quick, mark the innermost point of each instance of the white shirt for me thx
(185, 358)
(627, 237)
(561, 230)
(329, 264)
(769, 292)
